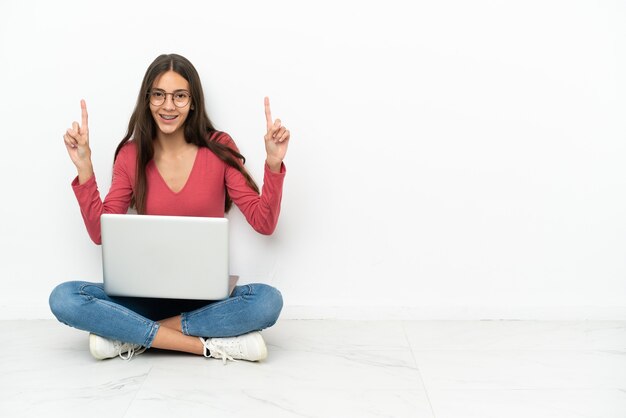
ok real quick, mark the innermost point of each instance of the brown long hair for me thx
(198, 127)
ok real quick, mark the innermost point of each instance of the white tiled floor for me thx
(442, 369)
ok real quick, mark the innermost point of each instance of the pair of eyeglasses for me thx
(180, 97)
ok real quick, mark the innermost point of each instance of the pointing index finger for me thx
(268, 113)
(83, 108)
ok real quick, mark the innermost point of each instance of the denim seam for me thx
(183, 323)
(151, 334)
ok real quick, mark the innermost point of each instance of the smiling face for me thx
(170, 118)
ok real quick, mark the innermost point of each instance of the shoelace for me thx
(217, 350)
(130, 350)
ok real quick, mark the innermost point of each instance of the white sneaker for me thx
(249, 347)
(102, 348)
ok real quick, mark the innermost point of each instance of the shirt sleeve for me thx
(116, 201)
(261, 211)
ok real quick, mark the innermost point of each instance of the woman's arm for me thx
(262, 211)
(85, 186)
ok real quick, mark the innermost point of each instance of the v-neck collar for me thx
(193, 169)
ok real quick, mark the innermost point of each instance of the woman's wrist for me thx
(85, 174)
(273, 164)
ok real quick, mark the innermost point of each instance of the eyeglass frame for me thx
(149, 94)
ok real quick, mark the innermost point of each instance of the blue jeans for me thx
(85, 306)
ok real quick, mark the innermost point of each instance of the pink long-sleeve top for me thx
(202, 195)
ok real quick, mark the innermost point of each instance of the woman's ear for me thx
(191, 108)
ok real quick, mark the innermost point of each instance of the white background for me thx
(449, 159)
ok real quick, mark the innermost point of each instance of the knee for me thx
(62, 300)
(270, 304)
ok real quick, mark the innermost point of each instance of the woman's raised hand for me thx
(77, 143)
(276, 139)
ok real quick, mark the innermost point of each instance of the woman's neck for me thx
(171, 145)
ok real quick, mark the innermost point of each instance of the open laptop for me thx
(177, 257)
